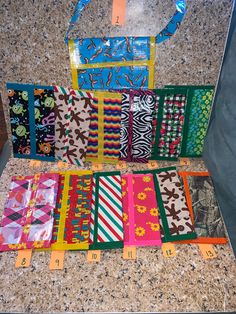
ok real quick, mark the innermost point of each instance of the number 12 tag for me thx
(57, 260)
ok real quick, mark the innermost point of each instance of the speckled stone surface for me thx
(33, 50)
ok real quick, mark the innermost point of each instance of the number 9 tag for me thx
(57, 260)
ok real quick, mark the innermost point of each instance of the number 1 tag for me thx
(57, 260)
(23, 258)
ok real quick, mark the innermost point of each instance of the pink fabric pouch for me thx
(141, 222)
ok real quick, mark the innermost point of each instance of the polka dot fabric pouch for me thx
(141, 222)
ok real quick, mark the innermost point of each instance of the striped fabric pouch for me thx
(104, 131)
(106, 226)
(141, 222)
(72, 119)
(73, 210)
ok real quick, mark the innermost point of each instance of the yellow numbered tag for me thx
(96, 166)
(23, 258)
(207, 251)
(168, 249)
(121, 165)
(62, 165)
(94, 256)
(57, 260)
(35, 163)
(129, 252)
(152, 164)
(185, 162)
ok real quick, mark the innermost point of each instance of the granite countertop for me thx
(33, 51)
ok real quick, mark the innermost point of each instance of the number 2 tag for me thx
(57, 260)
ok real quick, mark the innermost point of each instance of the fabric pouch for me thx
(72, 119)
(136, 125)
(175, 219)
(199, 104)
(204, 209)
(27, 220)
(169, 124)
(104, 131)
(73, 211)
(106, 227)
(32, 121)
(141, 222)
(116, 62)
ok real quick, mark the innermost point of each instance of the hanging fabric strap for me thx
(166, 33)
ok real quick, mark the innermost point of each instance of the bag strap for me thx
(166, 33)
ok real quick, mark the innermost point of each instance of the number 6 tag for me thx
(57, 260)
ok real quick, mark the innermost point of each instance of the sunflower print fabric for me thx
(141, 222)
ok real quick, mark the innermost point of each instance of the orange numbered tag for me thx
(207, 251)
(62, 165)
(57, 260)
(96, 166)
(23, 258)
(118, 12)
(152, 164)
(168, 249)
(129, 252)
(35, 163)
(185, 162)
(121, 165)
(94, 256)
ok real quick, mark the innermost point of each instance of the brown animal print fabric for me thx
(175, 216)
(72, 112)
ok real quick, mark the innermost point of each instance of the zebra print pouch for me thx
(136, 125)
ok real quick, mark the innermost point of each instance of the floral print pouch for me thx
(27, 220)
(175, 218)
(32, 121)
(141, 222)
